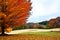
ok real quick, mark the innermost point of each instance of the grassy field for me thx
(44, 33)
(33, 36)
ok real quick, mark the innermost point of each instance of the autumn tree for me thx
(51, 23)
(13, 13)
(54, 23)
(57, 22)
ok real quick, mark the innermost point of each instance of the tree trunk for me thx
(2, 30)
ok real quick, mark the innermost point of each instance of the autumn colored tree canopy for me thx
(14, 13)
(54, 23)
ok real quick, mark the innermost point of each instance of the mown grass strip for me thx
(57, 34)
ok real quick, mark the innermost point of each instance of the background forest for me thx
(52, 23)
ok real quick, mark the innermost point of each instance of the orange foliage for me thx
(54, 22)
(51, 22)
(9, 29)
(16, 14)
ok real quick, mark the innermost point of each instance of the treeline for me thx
(52, 23)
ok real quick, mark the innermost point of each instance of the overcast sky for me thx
(44, 10)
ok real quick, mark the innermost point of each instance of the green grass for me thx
(44, 33)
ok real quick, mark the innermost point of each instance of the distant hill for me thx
(52, 23)
(43, 22)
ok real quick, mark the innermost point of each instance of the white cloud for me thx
(44, 7)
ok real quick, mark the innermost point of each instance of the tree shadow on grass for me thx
(6, 34)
